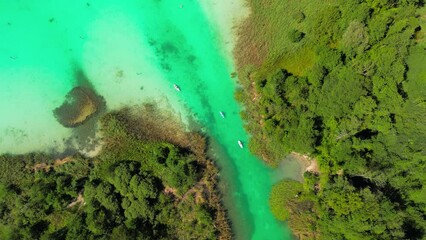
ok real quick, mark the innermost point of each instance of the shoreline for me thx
(157, 124)
(150, 125)
(294, 166)
(306, 163)
(226, 17)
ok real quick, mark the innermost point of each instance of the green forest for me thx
(145, 184)
(344, 82)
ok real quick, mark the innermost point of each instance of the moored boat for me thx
(176, 87)
(240, 143)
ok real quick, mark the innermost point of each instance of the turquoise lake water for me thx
(131, 51)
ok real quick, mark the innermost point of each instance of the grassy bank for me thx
(150, 181)
(340, 81)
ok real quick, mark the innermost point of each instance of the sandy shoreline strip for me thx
(225, 16)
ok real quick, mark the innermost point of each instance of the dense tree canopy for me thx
(351, 94)
(134, 189)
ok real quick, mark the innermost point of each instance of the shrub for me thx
(299, 16)
(295, 35)
(282, 195)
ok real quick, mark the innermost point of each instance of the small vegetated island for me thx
(344, 83)
(151, 180)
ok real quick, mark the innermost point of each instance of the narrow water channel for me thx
(132, 51)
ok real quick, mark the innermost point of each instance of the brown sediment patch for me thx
(81, 104)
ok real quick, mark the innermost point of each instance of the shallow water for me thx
(131, 51)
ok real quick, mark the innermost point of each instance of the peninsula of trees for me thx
(151, 180)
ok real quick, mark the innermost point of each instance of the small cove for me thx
(132, 51)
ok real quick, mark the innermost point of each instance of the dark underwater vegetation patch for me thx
(80, 104)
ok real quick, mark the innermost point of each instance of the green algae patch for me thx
(79, 106)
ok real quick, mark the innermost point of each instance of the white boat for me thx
(176, 87)
(222, 114)
(240, 143)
